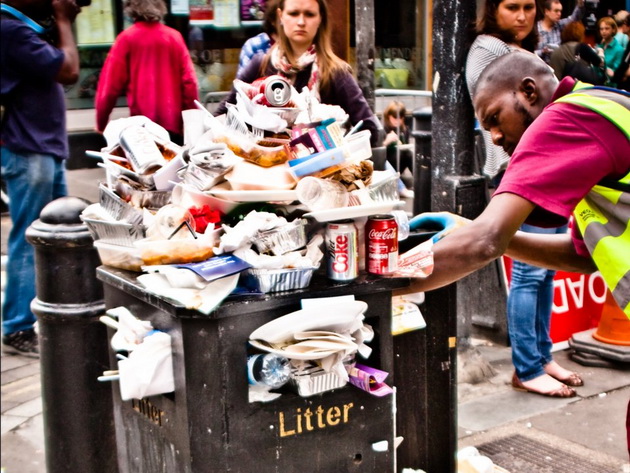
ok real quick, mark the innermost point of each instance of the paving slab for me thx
(581, 423)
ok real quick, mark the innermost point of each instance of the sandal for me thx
(564, 391)
(573, 379)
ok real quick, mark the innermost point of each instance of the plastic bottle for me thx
(268, 370)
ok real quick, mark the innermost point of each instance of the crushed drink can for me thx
(342, 251)
(276, 90)
(141, 150)
(381, 240)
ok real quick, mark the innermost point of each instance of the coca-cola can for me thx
(141, 150)
(381, 241)
(342, 251)
(276, 90)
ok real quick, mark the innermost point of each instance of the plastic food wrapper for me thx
(244, 232)
(415, 263)
(149, 368)
(130, 332)
(370, 379)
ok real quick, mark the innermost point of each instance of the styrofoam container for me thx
(246, 176)
(122, 257)
(318, 381)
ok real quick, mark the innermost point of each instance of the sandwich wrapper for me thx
(149, 368)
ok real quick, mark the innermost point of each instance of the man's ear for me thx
(529, 89)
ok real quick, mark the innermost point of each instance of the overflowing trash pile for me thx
(254, 184)
(241, 208)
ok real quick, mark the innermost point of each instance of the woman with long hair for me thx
(304, 55)
(506, 26)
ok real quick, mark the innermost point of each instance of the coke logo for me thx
(388, 234)
(340, 255)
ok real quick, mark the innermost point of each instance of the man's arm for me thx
(477, 244)
(555, 252)
(491, 235)
(576, 15)
(65, 12)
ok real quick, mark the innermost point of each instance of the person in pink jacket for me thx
(150, 61)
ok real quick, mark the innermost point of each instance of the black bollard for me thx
(77, 408)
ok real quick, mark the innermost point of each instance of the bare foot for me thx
(543, 384)
(563, 375)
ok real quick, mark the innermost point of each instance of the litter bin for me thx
(208, 423)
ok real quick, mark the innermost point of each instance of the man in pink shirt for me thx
(151, 63)
(560, 152)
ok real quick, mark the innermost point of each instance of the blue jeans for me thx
(33, 180)
(529, 314)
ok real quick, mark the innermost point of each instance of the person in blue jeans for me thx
(529, 310)
(34, 63)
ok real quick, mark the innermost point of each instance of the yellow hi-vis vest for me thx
(603, 215)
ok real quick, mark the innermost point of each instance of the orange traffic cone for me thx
(614, 326)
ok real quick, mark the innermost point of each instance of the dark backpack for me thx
(583, 71)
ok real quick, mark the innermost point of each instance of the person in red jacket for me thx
(150, 61)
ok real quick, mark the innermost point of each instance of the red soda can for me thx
(381, 240)
(342, 250)
(276, 90)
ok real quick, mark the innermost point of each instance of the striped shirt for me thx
(483, 51)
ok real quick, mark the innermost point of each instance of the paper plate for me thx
(330, 317)
(224, 192)
(293, 355)
(354, 211)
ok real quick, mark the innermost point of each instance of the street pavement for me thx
(521, 432)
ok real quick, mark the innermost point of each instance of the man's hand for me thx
(65, 10)
(443, 222)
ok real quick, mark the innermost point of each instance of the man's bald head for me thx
(508, 71)
(510, 94)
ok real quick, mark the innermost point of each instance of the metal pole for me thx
(78, 410)
(365, 50)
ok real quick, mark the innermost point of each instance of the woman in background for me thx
(564, 58)
(303, 54)
(613, 51)
(397, 133)
(152, 63)
(505, 26)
